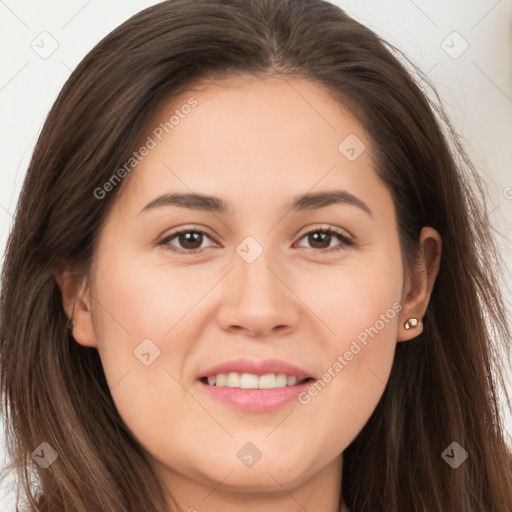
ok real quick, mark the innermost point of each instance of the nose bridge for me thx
(258, 298)
(254, 262)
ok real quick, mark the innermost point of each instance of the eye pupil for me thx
(316, 235)
(190, 237)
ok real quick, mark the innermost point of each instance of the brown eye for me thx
(320, 240)
(189, 241)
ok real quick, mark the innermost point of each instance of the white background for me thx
(476, 86)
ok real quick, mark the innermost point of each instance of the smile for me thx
(256, 386)
(252, 381)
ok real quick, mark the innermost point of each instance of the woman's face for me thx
(267, 293)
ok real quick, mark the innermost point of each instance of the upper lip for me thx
(257, 368)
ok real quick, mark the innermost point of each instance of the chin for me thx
(260, 478)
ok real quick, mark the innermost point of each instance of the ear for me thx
(77, 306)
(418, 286)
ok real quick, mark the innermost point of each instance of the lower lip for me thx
(256, 400)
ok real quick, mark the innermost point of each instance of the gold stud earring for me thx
(412, 322)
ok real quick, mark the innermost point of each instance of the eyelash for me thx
(346, 241)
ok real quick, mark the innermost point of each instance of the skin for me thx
(257, 144)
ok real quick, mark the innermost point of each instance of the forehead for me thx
(265, 135)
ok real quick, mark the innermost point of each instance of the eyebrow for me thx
(308, 201)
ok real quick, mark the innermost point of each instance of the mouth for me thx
(255, 386)
(253, 381)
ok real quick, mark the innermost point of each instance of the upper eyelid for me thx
(312, 229)
(187, 230)
(327, 227)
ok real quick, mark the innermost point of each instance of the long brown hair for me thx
(444, 386)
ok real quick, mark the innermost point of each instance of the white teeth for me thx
(281, 380)
(220, 380)
(233, 380)
(252, 381)
(267, 381)
(248, 381)
(291, 381)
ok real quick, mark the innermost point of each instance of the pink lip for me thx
(255, 400)
(257, 368)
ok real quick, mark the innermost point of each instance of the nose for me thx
(257, 299)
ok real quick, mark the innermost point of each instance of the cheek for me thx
(361, 308)
(140, 300)
(141, 324)
(362, 295)
(352, 383)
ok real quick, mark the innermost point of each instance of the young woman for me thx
(250, 270)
